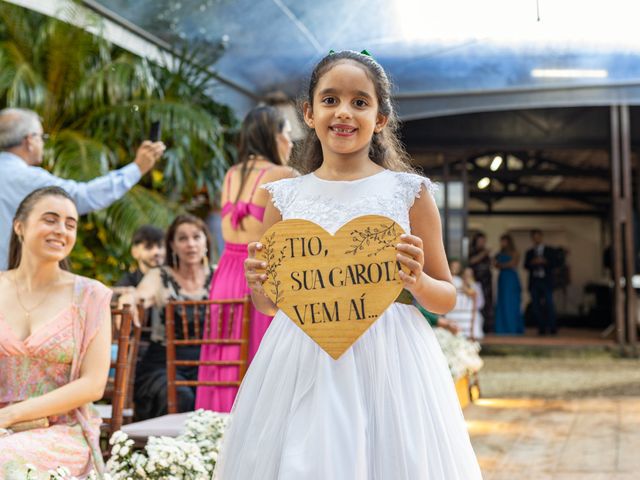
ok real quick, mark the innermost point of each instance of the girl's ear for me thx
(307, 112)
(381, 122)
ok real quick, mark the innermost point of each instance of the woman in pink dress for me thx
(265, 146)
(55, 339)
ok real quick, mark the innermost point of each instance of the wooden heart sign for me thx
(333, 286)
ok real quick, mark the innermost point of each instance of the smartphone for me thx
(154, 131)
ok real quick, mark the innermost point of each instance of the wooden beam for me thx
(569, 194)
(547, 213)
(509, 175)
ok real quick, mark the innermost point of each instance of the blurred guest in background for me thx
(148, 250)
(186, 276)
(508, 316)
(480, 262)
(21, 153)
(540, 261)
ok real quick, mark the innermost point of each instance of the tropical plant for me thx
(96, 102)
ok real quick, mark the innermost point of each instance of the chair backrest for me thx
(239, 311)
(124, 335)
(134, 349)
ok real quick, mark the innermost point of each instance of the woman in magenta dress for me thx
(265, 146)
(55, 340)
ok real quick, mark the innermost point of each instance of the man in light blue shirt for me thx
(21, 149)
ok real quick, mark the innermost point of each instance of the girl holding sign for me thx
(387, 407)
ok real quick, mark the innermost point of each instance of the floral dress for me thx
(47, 359)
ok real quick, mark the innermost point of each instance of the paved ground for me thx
(558, 419)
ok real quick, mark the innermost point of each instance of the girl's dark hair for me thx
(511, 246)
(258, 138)
(22, 213)
(385, 149)
(173, 228)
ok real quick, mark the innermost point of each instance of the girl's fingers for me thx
(254, 264)
(253, 247)
(408, 279)
(411, 239)
(255, 277)
(412, 264)
(411, 250)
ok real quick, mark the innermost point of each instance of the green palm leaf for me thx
(97, 102)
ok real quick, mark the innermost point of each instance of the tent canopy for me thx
(444, 57)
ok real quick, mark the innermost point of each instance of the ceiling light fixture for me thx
(495, 163)
(484, 182)
(569, 73)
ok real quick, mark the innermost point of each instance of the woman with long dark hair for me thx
(264, 150)
(55, 340)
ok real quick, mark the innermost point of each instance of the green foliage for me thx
(97, 102)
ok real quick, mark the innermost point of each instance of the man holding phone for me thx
(21, 153)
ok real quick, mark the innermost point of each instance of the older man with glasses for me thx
(21, 152)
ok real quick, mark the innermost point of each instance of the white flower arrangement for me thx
(462, 354)
(191, 456)
(60, 473)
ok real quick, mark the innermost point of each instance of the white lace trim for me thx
(290, 197)
(413, 183)
(282, 192)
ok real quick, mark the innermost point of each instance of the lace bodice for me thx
(331, 204)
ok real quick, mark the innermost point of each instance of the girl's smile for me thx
(343, 130)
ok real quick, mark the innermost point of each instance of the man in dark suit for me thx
(540, 260)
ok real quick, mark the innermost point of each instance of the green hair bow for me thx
(362, 52)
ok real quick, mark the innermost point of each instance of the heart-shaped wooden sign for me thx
(333, 286)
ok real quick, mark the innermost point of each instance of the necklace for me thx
(27, 311)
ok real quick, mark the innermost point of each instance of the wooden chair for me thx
(118, 392)
(172, 424)
(143, 318)
(223, 338)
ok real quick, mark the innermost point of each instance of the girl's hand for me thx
(254, 269)
(411, 255)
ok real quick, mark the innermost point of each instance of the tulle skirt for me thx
(386, 410)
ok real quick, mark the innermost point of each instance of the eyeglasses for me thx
(43, 136)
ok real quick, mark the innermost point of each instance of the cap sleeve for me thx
(282, 192)
(411, 185)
